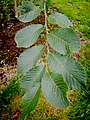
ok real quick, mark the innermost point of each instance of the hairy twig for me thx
(45, 16)
(46, 24)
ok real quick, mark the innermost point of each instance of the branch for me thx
(17, 3)
(46, 28)
(45, 16)
(46, 24)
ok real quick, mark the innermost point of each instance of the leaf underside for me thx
(29, 16)
(26, 7)
(30, 100)
(63, 40)
(33, 76)
(30, 84)
(54, 90)
(60, 19)
(28, 35)
(29, 58)
(72, 71)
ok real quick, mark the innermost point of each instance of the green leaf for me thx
(30, 100)
(29, 16)
(47, 4)
(31, 86)
(64, 40)
(54, 90)
(33, 76)
(71, 70)
(29, 58)
(41, 4)
(26, 6)
(28, 35)
(60, 19)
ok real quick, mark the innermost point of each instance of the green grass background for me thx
(78, 11)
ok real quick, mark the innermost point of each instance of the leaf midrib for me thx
(28, 14)
(55, 84)
(57, 22)
(32, 97)
(66, 69)
(30, 36)
(41, 50)
(59, 38)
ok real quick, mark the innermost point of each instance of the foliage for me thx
(6, 11)
(50, 66)
(81, 108)
(8, 95)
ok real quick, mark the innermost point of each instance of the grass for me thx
(81, 108)
(85, 61)
(78, 11)
(44, 111)
(10, 100)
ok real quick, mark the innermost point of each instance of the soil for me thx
(8, 50)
